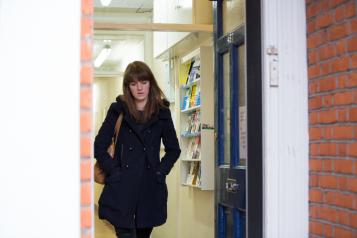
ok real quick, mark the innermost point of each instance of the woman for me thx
(134, 198)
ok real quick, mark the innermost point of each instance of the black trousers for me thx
(133, 233)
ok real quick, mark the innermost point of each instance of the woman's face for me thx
(140, 90)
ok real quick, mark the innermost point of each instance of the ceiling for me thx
(137, 5)
(126, 46)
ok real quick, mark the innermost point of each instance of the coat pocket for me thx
(160, 178)
(113, 178)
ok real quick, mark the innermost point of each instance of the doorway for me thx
(238, 93)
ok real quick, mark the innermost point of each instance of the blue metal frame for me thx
(218, 28)
(221, 222)
(234, 106)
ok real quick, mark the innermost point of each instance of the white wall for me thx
(39, 123)
(285, 120)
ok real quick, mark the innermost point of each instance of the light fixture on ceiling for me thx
(102, 56)
(105, 2)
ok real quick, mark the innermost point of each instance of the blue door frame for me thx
(239, 210)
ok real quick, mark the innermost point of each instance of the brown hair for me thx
(138, 70)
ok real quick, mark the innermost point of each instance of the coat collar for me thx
(121, 107)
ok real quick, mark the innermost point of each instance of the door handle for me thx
(232, 186)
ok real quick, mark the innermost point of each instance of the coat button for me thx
(130, 148)
(126, 166)
(130, 131)
(144, 149)
(148, 167)
(149, 131)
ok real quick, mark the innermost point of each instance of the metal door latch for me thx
(232, 186)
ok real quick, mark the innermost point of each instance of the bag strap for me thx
(117, 127)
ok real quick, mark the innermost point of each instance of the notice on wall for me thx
(243, 132)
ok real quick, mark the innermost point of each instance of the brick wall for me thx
(85, 123)
(332, 65)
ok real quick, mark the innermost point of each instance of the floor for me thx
(102, 228)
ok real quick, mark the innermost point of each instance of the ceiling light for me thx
(105, 2)
(102, 56)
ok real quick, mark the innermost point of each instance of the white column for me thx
(39, 122)
(285, 119)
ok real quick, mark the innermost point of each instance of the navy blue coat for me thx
(135, 189)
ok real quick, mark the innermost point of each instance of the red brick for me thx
(328, 231)
(340, 64)
(327, 165)
(325, 68)
(328, 214)
(350, 9)
(86, 169)
(343, 233)
(343, 166)
(86, 147)
(353, 25)
(352, 149)
(314, 71)
(314, 149)
(342, 149)
(327, 84)
(354, 61)
(341, 80)
(341, 47)
(342, 115)
(86, 74)
(86, 218)
(316, 228)
(327, 133)
(324, 20)
(327, 52)
(315, 165)
(312, 10)
(86, 122)
(313, 212)
(313, 180)
(86, 50)
(338, 31)
(352, 44)
(343, 132)
(340, 13)
(313, 117)
(312, 87)
(344, 200)
(352, 79)
(87, 7)
(327, 116)
(311, 26)
(312, 57)
(353, 114)
(315, 102)
(327, 181)
(342, 183)
(86, 27)
(86, 194)
(86, 236)
(315, 133)
(86, 98)
(315, 195)
(343, 218)
(343, 98)
(327, 101)
(330, 198)
(353, 219)
(352, 184)
(334, 3)
(323, 5)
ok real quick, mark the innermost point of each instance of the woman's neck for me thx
(140, 105)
